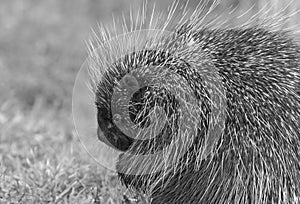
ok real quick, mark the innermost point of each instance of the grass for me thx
(43, 162)
(41, 49)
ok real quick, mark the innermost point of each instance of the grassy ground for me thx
(41, 49)
(42, 162)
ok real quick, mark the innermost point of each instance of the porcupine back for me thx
(256, 158)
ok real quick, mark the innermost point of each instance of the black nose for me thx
(110, 134)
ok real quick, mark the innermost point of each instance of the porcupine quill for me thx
(204, 113)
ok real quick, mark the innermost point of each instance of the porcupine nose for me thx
(110, 134)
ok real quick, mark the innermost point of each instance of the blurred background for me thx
(42, 43)
(42, 47)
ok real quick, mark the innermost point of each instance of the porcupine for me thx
(219, 106)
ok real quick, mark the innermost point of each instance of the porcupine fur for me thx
(256, 156)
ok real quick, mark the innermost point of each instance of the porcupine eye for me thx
(154, 111)
(139, 108)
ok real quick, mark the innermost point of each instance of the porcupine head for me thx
(199, 113)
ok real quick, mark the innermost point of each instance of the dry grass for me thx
(42, 161)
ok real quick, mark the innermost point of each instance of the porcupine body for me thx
(255, 158)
